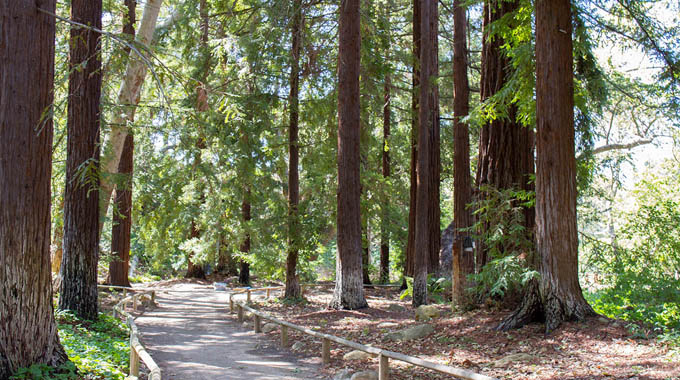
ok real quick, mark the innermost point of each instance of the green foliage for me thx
(509, 245)
(438, 288)
(100, 349)
(66, 371)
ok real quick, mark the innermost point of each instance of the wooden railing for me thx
(137, 350)
(326, 339)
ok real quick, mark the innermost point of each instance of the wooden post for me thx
(134, 302)
(284, 336)
(231, 305)
(240, 313)
(326, 350)
(384, 369)
(124, 293)
(268, 292)
(258, 327)
(153, 297)
(134, 360)
(248, 299)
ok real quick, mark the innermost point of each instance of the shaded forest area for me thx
(504, 156)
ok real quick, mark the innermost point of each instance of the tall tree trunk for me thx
(384, 232)
(349, 290)
(423, 196)
(122, 219)
(559, 297)
(463, 262)
(244, 273)
(435, 159)
(292, 281)
(28, 332)
(409, 263)
(128, 98)
(506, 154)
(365, 250)
(81, 203)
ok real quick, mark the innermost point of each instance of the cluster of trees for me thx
(366, 121)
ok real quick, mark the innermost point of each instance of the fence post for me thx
(326, 350)
(134, 359)
(240, 313)
(153, 297)
(284, 336)
(258, 327)
(268, 290)
(134, 302)
(231, 305)
(248, 299)
(384, 369)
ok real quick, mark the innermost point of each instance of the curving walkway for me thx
(192, 337)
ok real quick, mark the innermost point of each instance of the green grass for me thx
(100, 350)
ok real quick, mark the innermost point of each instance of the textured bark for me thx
(57, 247)
(194, 270)
(384, 232)
(122, 220)
(226, 264)
(81, 204)
(506, 148)
(435, 159)
(423, 196)
(559, 291)
(365, 251)
(128, 98)
(292, 282)
(244, 273)
(349, 291)
(462, 262)
(413, 168)
(28, 333)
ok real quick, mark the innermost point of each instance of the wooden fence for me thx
(326, 339)
(137, 350)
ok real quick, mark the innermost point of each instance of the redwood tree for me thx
(81, 196)
(384, 233)
(506, 148)
(463, 262)
(558, 297)
(244, 272)
(28, 333)
(349, 291)
(122, 217)
(423, 202)
(292, 280)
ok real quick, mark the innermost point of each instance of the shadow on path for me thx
(192, 337)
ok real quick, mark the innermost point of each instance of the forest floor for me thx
(599, 349)
(191, 337)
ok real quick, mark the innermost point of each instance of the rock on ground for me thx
(387, 325)
(396, 308)
(269, 327)
(411, 333)
(357, 355)
(427, 312)
(344, 374)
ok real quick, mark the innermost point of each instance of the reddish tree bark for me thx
(349, 291)
(81, 196)
(506, 154)
(413, 168)
(435, 159)
(558, 297)
(122, 219)
(28, 333)
(463, 262)
(292, 281)
(423, 196)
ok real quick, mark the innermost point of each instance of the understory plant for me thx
(501, 228)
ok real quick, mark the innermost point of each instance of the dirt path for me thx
(192, 337)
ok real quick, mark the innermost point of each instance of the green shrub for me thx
(438, 288)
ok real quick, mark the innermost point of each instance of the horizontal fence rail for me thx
(383, 355)
(137, 350)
